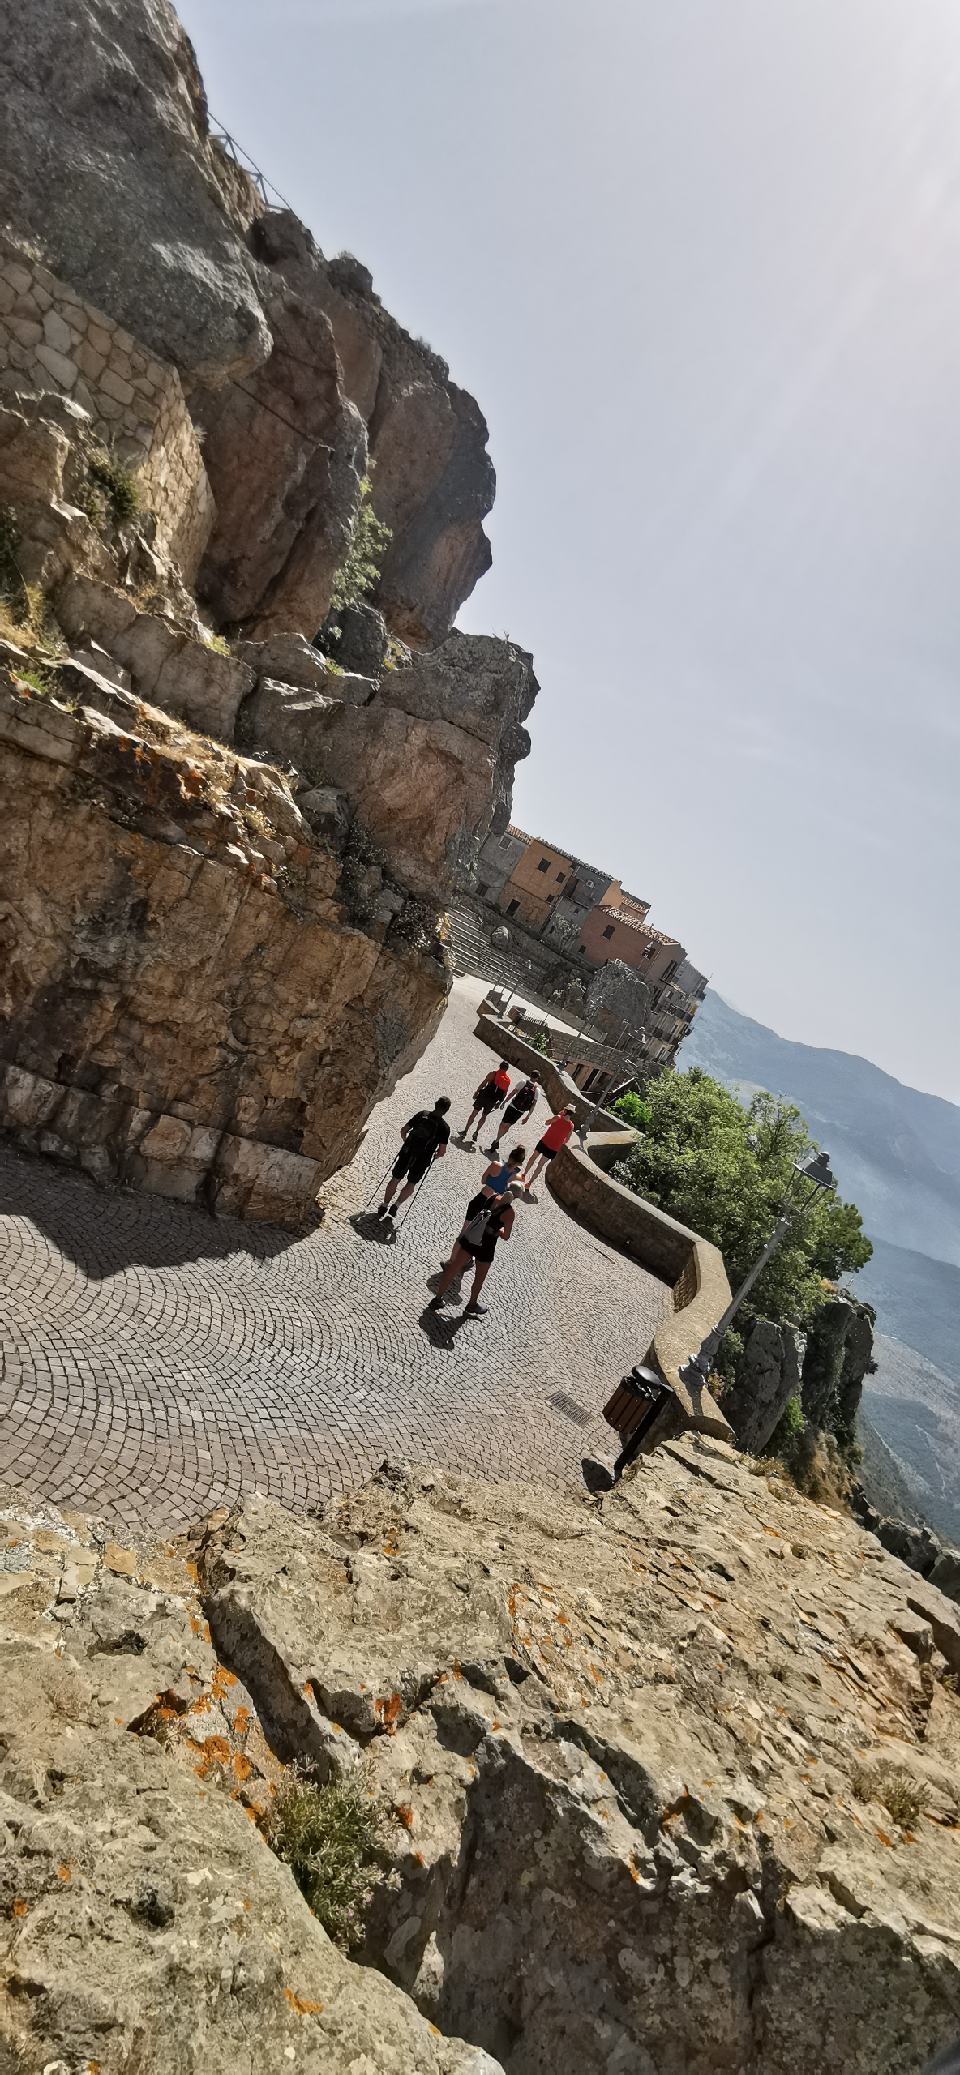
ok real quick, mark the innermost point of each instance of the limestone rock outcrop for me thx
(293, 370)
(837, 1357)
(187, 1001)
(768, 1374)
(108, 165)
(433, 480)
(667, 1784)
(192, 397)
(630, 1757)
(425, 759)
(143, 1921)
(285, 451)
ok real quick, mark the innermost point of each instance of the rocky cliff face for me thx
(192, 398)
(294, 370)
(824, 1368)
(188, 1001)
(668, 1786)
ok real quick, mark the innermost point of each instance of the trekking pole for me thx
(402, 1221)
(382, 1183)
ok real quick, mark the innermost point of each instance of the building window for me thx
(571, 889)
(608, 932)
(482, 890)
(544, 865)
(561, 875)
(512, 907)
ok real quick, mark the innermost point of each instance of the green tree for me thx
(359, 572)
(726, 1170)
(634, 1111)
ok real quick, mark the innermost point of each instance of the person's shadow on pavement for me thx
(441, 1332)
(367, 1225)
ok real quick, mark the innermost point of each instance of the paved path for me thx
(154, 1362)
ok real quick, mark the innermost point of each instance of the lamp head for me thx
(816, 1169)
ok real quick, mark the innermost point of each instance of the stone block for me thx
(177, 1157)
(89, 361)
(26, 331)
(27, 1101)
(19, 277)
(63, 371)
(261, 1181)
(116, 386)
(26, 730)
(100, 340)
(58, 333)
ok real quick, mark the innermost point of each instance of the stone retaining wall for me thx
(51, 339)
(558, 1087)
(579, 1179)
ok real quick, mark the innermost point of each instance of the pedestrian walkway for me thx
(155, 1362)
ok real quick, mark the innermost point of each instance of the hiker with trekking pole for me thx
(426, 1136)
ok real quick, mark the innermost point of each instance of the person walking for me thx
(521, 1105)
(485, 1224)
(498, 1179)
(556, 1135)
(490, 1092)
(426, 1136)
(500, 1174)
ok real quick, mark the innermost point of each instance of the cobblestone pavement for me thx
(154, 1362)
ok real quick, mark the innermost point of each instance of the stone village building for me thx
(584, 915)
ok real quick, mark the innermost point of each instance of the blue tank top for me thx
(498, 1184)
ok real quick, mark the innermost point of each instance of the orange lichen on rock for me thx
(302, 2004)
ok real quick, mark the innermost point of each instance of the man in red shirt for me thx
(490, 1092)
(556, 1135)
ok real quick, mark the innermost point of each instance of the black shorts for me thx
(513, 1118)
(412, 1164)
(487, 1100)
(548, 1152)
(485, 1248)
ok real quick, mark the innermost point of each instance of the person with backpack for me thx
(487, 1221)
(487, 1097)
(426, 1136)
(521, 1105)
(559, 1129)
(501, 1174)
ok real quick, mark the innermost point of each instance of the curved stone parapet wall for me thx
(580, 1180)
(558, 1087)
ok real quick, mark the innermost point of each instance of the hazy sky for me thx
(699, 260)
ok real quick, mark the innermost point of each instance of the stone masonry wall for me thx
(51, 339)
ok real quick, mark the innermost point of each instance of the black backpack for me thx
(424, 1133)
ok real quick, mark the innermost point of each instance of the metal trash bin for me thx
(635, 1404)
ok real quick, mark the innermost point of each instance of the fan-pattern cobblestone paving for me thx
(155, 1362)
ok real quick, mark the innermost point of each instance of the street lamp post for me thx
(815, 1170)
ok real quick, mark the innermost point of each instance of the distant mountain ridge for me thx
(896, 1152)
